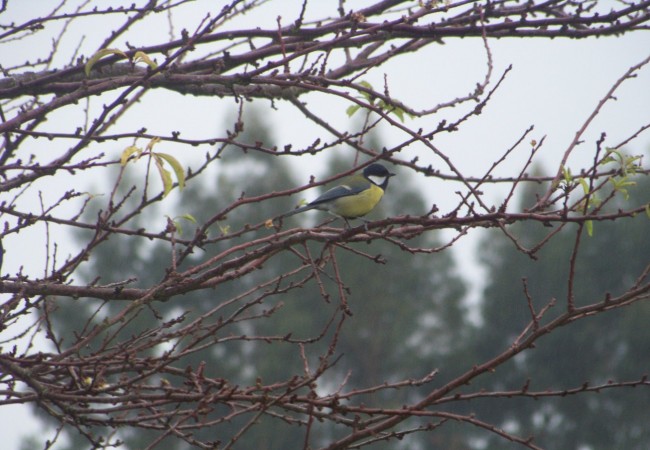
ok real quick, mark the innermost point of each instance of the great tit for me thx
(355, 197)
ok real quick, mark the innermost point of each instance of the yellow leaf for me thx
(142, 56)
(126, 154)
(165, 176)
(176, 166)
(152, 142)
(99, 55)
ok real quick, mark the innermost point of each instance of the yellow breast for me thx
(357, 205)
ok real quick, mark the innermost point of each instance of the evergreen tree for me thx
(118, 260)
(407, 317)
(407, 314)
(593, 351)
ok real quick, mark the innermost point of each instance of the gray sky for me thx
(554, 85)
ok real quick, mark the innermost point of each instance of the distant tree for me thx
(409, 310)
(116, 355)
(593, 355)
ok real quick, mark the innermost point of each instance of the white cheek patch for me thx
(378, 180)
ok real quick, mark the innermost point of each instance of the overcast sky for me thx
(554, 85)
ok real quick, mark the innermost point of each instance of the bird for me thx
(354, 198)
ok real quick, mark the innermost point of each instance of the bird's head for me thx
(377, 174)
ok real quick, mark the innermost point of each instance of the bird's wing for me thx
(343, 190)
(353, 187)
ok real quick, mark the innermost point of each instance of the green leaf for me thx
(399, 112)
(352, 109)
(595, 200)
(366, 95)
(99, 55)
(142, 56)
(607, 160)
(365, 84)
(178, 226)
(176, 166)
(608, 156)
(631, 165)
(127, 152)
(589, 224)
(647, 210)
(188, 217)
(626, 182)
(620, 184)
(585, 186)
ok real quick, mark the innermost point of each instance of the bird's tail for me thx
(277, 220)
(295, 211)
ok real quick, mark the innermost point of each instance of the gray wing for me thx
(334, 193)
(328, 196)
